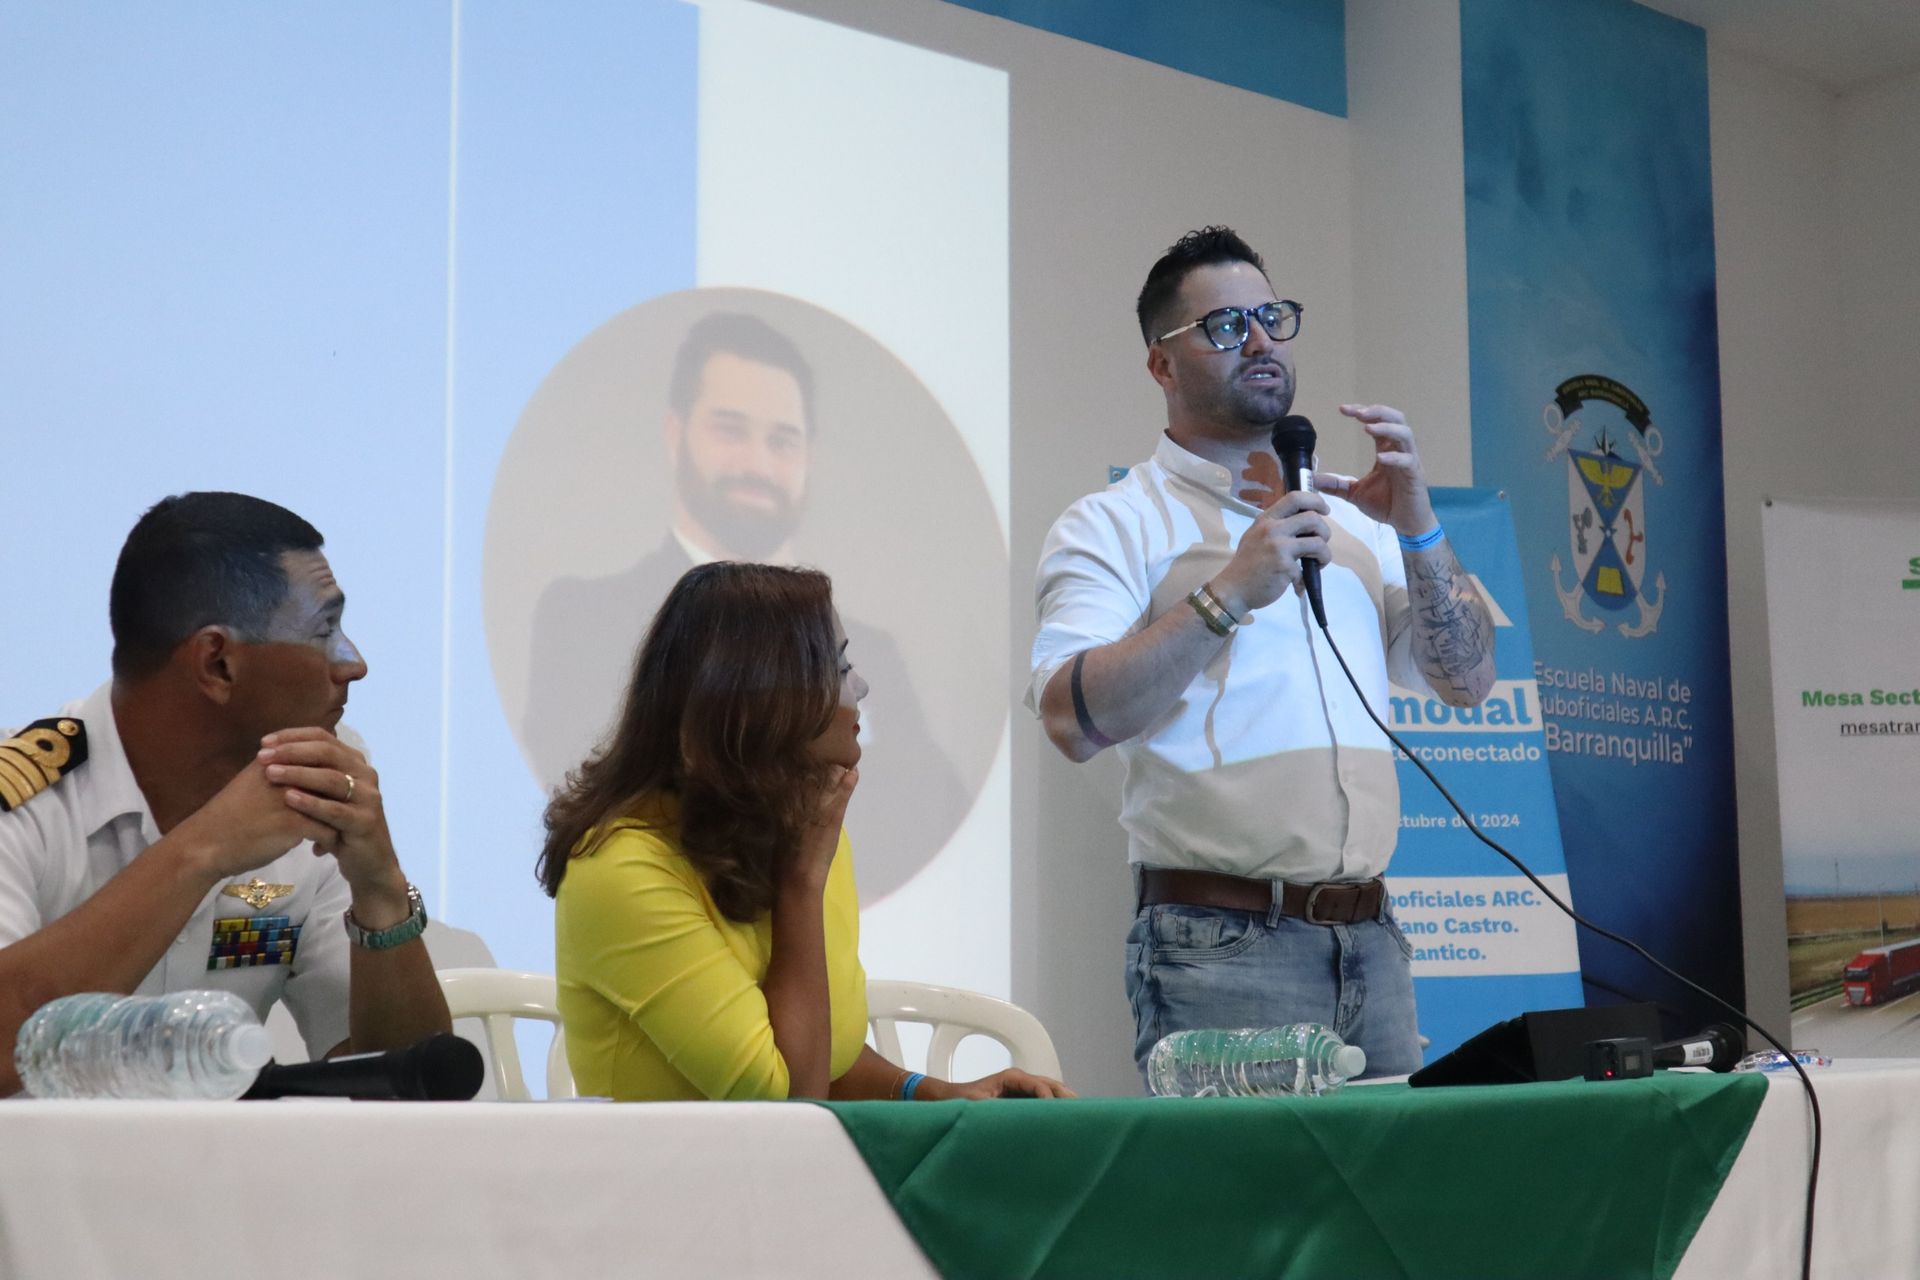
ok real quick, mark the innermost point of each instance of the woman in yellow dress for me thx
(706, 928)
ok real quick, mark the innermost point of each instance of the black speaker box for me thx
(1547, 1044)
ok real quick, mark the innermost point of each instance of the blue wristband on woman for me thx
(911, 1083)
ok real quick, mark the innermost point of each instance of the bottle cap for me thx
(250, 1047)
(1349, 1060)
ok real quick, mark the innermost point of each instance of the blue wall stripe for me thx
(1294, 50)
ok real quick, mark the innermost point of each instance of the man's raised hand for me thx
(1395, 491)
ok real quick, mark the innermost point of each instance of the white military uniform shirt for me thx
(58, 848)
(1267, 766)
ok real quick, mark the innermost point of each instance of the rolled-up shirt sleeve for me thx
(1091, 588)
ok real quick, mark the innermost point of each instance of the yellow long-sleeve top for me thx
(661, 994)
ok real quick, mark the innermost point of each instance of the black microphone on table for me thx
(1718, 1048)
(1293, 440)
(441, 1068)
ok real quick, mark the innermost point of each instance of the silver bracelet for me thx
(1211, 611)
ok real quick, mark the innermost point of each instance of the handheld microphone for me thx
(1293, 440)
(1717, 1048)
(441, 1068)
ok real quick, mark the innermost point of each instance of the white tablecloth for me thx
(1867, 1217)
(579, 1190)
(155, 1191)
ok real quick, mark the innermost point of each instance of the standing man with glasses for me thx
(1261, 804)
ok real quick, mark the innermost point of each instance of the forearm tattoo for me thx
(1453, 633)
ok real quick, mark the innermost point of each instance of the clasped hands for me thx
(305, 784)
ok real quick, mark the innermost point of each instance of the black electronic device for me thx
(1625, 1058)
(442, 1068)
(1546, 1044)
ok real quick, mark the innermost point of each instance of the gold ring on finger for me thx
(349, 778)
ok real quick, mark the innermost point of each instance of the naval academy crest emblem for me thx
(1608, 469)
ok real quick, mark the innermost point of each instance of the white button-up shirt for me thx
(1266, 765)
(60, 847)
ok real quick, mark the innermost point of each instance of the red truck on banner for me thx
(1880, 974)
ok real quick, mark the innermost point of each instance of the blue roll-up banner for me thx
(1486, 944)
(1594, 354)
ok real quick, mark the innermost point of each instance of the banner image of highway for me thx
(1846, 715)
(1854, 966)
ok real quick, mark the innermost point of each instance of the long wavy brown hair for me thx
(737, 676)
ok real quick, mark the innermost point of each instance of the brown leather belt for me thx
(1329, 902)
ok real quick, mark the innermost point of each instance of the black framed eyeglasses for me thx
(1227, 328)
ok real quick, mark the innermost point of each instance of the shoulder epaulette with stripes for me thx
(39, 756)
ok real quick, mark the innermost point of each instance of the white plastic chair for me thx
(954, 1015)
(447, 947)
(496, 997)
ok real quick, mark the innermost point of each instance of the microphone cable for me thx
(1813, 1101)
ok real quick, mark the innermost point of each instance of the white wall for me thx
(1818, 246)
(1878, 233)
(1410, 223)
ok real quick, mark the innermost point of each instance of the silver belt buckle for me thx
(1313, 898)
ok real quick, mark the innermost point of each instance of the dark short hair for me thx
(196, 560)
(1202, 248)
(748, 337)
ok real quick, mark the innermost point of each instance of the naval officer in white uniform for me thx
(196, 822)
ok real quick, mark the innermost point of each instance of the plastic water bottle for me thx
(1305, 1058)
(1774, 1060)
(185, 1044)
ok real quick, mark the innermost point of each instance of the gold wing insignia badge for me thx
(256, 892)
(39, 756)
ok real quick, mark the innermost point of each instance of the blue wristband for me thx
(1425, 540)
(911, 1083)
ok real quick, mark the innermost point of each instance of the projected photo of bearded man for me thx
(738, 440)
(738, 430)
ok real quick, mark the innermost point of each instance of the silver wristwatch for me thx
(381, 939)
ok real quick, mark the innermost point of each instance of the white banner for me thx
(1843, 597)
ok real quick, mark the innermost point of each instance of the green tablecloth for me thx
(1542, 1181)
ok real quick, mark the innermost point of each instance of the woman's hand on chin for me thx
(1011, 1083)
(821, 839)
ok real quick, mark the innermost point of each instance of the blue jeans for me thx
(1191, 968)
